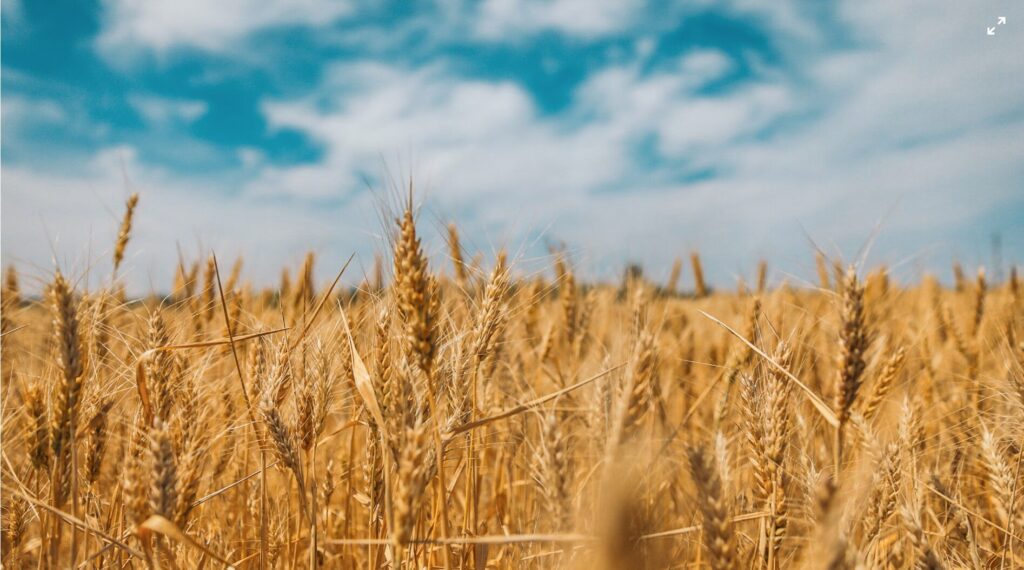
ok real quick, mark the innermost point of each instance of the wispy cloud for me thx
(161, 111)
(512, 19)
(72, 216)
(20, 111)
(158, 27)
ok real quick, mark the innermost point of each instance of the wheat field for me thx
(465, 414)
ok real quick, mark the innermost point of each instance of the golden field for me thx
(466, 415)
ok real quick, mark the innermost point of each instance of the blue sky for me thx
(629, 131)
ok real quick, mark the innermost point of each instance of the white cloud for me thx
(511, 19)
(21, 114)
(916, 125)
(788, 19)
(159, 26)
(73, 212)
(704, 64)
(19, 110)
(13, 16)
(250, 157)
(708, 122)
(900, 131)
(162, 111)
(451, 126)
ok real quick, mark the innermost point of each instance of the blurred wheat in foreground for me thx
(469, 416)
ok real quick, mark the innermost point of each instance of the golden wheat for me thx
(494, 418)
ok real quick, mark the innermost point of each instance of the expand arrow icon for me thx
(991, 31)
(1002, 20)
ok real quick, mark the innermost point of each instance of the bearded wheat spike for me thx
(15, 525)
(777, 429)
(959, 279)
(883, 385)
(853, 344)
(821, 266)
(1014, 285)
(39, 426)
(1000, 478)
(762, 277)
(314, 398)
(163, 491)
(281, 434)
(718, 536)
(125, 231)
(458, 262)
(416, 294)
(552, 469)
(208, 304)
(70, 360)
(413, 475)
(637, 397)
(672, 285)
(189, 478)
(480, 342)
(980, 292)
(768, 426)
(883, 501)
(97, 426)
(162, 368)
(700, 288)
(570, 306)
(11, 289)
(492, 315)
(385, 386)
(10, 300)
(135, 491)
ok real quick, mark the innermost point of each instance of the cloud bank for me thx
(895, 124)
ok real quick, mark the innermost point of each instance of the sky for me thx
(626, 131)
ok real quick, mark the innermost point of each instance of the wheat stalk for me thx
(125, 231)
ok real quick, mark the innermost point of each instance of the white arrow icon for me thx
(1002, 20)
(991, 31)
